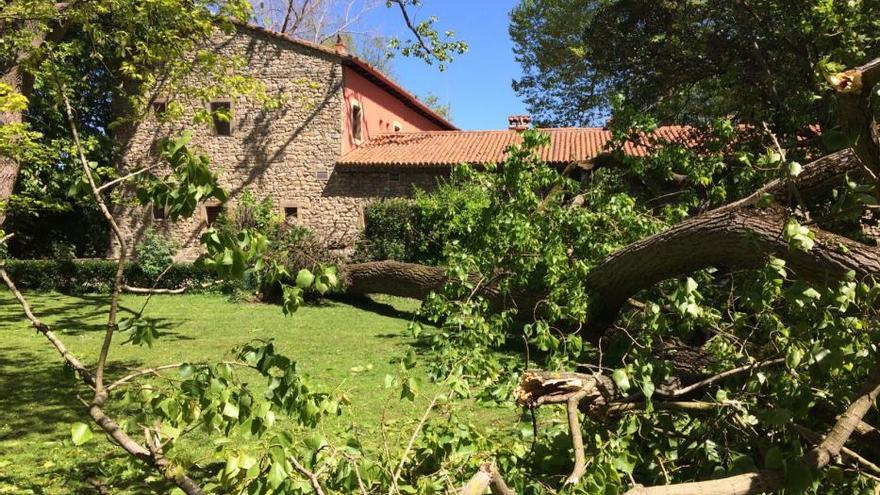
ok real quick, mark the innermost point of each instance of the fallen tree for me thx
(739, 236)
(743, 234)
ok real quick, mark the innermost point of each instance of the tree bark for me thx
(9, 166)
(739, 235)
(21, 82)
(394, 278)
(855, 114)
(771, 481)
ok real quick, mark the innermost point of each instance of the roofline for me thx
(362, 67)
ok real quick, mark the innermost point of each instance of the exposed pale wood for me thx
(487, 478)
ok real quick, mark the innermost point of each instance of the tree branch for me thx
(489, 478)
(716, 378)
(43, 328)
(412, 27)
(409, 446)
(577, 438)
(770, 481)
(313, 479)
(100, 394)
(734, 236)
(854, 88)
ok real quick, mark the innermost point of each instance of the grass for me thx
(327, 340)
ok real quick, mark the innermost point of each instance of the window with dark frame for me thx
(291, 214)
(212, 212)
(357, 117)
(322, 175)
(221, 113)
(158, 212)
(160, 108)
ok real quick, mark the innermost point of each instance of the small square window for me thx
(160, 108)
(212, 213)
(322, 175)
(221, 113)
(291, 214)
(394, 176)
(158, 212)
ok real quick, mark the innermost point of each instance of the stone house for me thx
(345, 135)
(335, 102)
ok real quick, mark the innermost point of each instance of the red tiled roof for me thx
(365, 69)
(446, 148)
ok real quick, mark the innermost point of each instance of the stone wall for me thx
(287, 153)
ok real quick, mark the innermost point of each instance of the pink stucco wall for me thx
(380, 110)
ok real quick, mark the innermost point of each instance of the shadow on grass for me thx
(35, 396)
(366, 303)
(79, 314)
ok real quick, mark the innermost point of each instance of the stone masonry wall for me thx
(283, 153)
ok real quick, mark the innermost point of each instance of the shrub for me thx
(291, 247)
(96, 275)
(392, 231)
(417, 230)
(154, 253)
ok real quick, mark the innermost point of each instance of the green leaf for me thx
(304, 279)
(315, 441)
(773, 458)
(230, 410)
(793, 357)
(276, 475)
(621, 379)
(798, 478)
(80, 433)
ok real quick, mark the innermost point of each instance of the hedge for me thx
(79, 276)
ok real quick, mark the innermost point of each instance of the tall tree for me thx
(689, 61)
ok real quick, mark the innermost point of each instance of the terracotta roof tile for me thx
(446, 148)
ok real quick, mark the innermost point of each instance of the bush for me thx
(96, 276)
(154, 253)
(290, 246)
(417, 230)
(392, 231)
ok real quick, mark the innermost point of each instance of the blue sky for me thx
(476, 84)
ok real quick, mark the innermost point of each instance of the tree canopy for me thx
(690, 61)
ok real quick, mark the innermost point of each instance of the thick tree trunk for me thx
(8, 165)
(22, 83)
(393, 278)
(739, 235)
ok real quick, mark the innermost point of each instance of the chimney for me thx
(340, 46)
(518, 123)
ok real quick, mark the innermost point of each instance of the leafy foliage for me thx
(689, 61)
(80, 276)
(154, 253)
(427, 43)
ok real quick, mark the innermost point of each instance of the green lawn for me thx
(328, 340)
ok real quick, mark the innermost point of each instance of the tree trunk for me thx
(22, 83)
(8, 165)
(394, 278)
